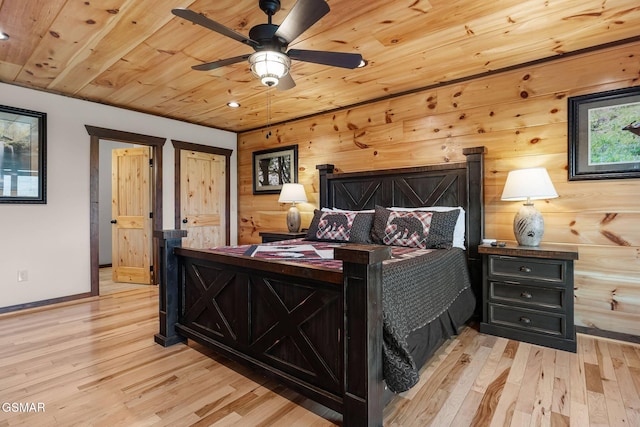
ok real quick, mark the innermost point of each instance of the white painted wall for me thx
(51, 241)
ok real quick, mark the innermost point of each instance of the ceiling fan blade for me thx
(205, 22)
(302, 16)
(286, 82)
(334, 59)
(221, 63)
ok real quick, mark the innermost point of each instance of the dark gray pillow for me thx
(417, 229)
(340, 226)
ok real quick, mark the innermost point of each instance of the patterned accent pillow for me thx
(340, 226)
(416, 229)
(459, 235)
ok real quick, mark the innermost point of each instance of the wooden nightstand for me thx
(527, 294)
(275, 236)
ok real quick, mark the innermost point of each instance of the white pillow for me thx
(348, 210)
(458, 231)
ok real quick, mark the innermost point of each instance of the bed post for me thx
(475, 218)
(362, 292)
(168, 292)
(324, 187)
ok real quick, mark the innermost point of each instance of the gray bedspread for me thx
(417, 289)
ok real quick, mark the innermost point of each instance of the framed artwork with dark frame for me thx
(274, 167)
(23, 147)
(604, 135)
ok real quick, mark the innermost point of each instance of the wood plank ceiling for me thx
(135, 54)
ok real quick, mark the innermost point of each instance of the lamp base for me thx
(293, 219)
(528, 226)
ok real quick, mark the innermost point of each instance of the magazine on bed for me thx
(289, 251)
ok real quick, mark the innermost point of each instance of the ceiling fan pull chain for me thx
(268, 112)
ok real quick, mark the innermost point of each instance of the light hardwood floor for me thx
(108, 286)
(95, 363)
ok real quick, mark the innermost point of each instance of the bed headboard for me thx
(447, 184)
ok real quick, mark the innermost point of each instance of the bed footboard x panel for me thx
(288, 324)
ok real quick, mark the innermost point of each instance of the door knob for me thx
(114, 221)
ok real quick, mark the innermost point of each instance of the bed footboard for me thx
(316, 330)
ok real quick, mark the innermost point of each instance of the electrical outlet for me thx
(23, 275)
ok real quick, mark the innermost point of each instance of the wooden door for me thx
(131, 207)
(203, 199)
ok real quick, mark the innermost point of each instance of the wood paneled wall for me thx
(521, 117)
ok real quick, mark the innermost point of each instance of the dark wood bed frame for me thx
(316, 330)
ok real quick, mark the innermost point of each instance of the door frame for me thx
(181, 145)
(156, 144)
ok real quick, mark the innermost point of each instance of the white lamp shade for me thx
(531, 183)
(292, 193)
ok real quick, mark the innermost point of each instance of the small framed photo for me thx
(604, 135)
(274, 167)
(23, 145)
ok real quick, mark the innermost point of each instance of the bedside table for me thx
(275, 236)
(527, 293)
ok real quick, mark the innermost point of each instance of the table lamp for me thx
(528, 184)
(292, 193)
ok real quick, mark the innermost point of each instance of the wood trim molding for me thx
(123, 136)
(618, 336)
(38, 305)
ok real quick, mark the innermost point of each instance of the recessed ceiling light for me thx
(4, 36)
(233, 104)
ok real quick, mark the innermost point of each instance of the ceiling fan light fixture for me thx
(269, 66)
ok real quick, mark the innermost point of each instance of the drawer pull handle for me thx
(526, 295)
(525, 320)
(525, 269)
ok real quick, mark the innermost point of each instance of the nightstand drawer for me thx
(534, 296)
(527, 268)
(528, 320)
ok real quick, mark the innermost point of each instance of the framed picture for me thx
(274, 167)
(604, 135)
(23, 146)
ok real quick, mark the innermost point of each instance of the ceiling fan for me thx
(271, 61)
